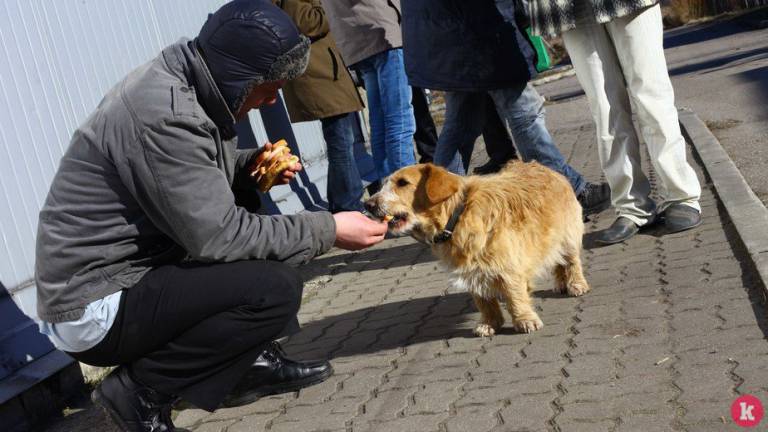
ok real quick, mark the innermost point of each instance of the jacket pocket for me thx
(335, 64)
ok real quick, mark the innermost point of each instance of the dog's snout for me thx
(371, 205)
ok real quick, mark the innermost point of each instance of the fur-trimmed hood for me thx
(249, 42)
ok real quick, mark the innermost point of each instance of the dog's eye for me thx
(402, 182)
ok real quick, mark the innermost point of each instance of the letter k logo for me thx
(747, 411)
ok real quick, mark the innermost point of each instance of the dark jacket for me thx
(147, 181)
(326, 88)
(459, 45)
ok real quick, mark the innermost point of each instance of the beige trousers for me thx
(620, 61)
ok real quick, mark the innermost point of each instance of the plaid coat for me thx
(551, 17)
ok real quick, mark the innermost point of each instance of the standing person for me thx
(326, 92)
(617, 50)
(497, 60)
(143, 260)
(368, 35)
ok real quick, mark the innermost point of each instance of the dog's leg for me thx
(491, 316)
(569, 277)
(519, 305)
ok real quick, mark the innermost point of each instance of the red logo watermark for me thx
(747, 411)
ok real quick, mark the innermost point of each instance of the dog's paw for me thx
(528, 325)
(578, 288)
(484, 330)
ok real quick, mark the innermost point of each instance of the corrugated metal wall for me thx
(57, 59)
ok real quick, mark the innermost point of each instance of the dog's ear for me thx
(440, 184)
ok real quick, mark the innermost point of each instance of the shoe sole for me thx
(99, 399)
(277, 389)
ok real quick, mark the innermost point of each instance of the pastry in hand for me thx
(270, 164)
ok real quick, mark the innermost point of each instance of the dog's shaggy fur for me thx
(515, 225)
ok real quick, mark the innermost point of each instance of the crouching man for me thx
(143, 259)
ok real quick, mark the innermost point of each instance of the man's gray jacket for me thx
(147, 180)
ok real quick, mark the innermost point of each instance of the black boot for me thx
(273, 373)
(621, 229)
(489, 167)
(134, 406)
(680, 217)
(594, 198)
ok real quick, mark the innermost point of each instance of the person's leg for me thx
(523, 109)
(370, 77)
(193, 330)
(395, 100)
(498, 142)
(345, 189)
(639, 45)
(426, 133)
(464, 119)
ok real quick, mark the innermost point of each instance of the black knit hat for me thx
(250, 42)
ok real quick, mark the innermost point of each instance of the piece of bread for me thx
(270, 164)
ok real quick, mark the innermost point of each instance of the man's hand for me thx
(289, 173)
(355, 231)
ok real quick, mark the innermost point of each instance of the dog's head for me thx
(413, 197)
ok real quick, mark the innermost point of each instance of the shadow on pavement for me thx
(385, 327)
(705, 32)
(371, 259)
(721, 62)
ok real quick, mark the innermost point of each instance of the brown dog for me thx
(495, 232)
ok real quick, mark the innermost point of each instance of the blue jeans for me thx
(522, 109)
(390, 110)
(345, 189)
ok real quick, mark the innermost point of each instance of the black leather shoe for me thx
(273, 373)
(680, 217)
(134, 407)
(621, 229)
(594, 198)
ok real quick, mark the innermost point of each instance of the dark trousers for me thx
(426, 133)
(193, 330)
(498, 142)
(345, 188)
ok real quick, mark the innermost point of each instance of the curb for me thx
(565, 71)
(749, 215)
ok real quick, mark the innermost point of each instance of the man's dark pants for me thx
(193, 330)
(426, 132)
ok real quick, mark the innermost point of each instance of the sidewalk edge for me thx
(749, 215)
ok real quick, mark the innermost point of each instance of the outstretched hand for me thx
(355, 231)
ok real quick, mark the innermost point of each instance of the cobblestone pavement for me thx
(672, 332)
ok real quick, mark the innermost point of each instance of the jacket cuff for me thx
(323, 227)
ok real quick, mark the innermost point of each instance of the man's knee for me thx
(287, 284)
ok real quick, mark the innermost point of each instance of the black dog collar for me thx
(447, 232)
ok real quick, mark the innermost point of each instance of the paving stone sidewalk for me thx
(672, 332)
